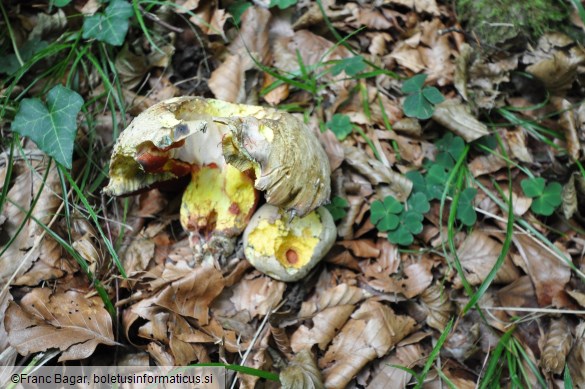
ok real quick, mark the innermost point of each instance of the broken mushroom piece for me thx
(288, 249)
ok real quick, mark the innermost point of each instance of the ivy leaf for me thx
(384, 214)
(111, 26)
(53, 126)
(9, 63)
(282, 4)
(337, 208)
(465, 211)
(418, 202)
(351, 66)
(340, 125)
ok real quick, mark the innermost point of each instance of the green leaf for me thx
(465, 211)
(340, 125)
(337, 208)
(237, 9)
(550, 199)
(454, 145)
(436, 178)
(111, 26)
(61, 3)
(533, 187)
(282, 4)
(433, 95)
(412, 221)
(418, 202)
(445, 159)
(383, 214)
(415, 105)
(53, 126)
(9, 63)
(418, 181)
(414, 84)
(401, 236)
(351, 66)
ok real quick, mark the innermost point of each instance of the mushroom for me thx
(288, 249)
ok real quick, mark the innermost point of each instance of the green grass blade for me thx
(434, 354)
(243, 369)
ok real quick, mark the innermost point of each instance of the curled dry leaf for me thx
(326, 325)
(569, 204)
(168, 139)
(342, 294)
(66, 321)
(569, 122)
(439, 306)
(302, 372)
(377, 173)
(371, 333)
(456, 116)
(557, 344)
(478, 254)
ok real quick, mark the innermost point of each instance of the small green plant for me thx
(53, 126)
(401, 223)
(340, 125)
(420, 100)
(545, 197)
(110, 26)
(337, 208)
(352, 66)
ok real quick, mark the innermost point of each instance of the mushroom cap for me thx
(286, 249)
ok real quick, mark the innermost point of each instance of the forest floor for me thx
(457, 188)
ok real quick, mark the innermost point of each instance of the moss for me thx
(495, 22)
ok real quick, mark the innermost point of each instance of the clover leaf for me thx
(545, 197)
(418, 202)
(420, 100)
(337, 208)
(111, 26)
(453, 145)
(436, 179)
(52, 126)
(351, 66)
(410, 224)
(465, 211)
(384, 214)
(340, 125)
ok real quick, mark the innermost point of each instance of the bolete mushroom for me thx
(288, 249)
(231, 152)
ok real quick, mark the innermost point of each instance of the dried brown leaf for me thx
(417, 277)
(258, 295)
(439, 306)
(363, 248)
(557, 344)
(342, 294)
(387, 376)
(547, 272)
(191, 295)
(371, 333)
(377, 173)
(456, 117)
(569, 204)
(569, 122)
(302, 372)
(252, 39)
(576, 359)
(326, 325)
(67, 321)
(478, 254)
(227, 81)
